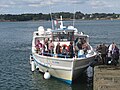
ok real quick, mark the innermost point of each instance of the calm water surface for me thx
(15, 48)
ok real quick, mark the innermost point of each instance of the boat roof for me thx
(62, 30)
(79, 35)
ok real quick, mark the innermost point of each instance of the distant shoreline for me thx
(48, 20)
(66, 16)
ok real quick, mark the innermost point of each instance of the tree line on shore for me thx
(66, 16)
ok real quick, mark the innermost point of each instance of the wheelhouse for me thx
(63, 35)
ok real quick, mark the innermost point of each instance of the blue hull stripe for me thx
(66, 81)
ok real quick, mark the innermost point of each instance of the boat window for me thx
(63, 36)
(82, 39)
(55, 38)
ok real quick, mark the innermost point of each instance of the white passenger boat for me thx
(62, 66)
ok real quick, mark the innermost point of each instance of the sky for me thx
(51, 6)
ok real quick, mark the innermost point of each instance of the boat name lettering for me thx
(55, 62)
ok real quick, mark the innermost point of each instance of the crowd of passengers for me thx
(62, 51)
(108, 53)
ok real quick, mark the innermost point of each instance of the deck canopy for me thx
(63, 35)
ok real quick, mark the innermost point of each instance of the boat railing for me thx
(79, 54)
(62, 55)
(55, 55)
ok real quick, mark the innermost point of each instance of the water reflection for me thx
(89, 73)
(84, 82)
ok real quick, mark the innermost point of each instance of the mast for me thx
(74, 17)
(61, 22)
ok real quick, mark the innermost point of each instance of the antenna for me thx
(74, 16)
(51, 15)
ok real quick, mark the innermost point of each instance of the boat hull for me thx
(65, 69)
(80, 65)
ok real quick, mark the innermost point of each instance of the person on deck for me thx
(45, 47)
(78, 46)
(71, 51)
(51, 47)
(46, 44)
(38, 47)
(58, 49)
(85, 46)
(64, 51)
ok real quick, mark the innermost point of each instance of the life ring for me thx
(66, 47)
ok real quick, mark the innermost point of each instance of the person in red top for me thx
(38, 47)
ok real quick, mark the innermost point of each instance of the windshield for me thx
(63, 36)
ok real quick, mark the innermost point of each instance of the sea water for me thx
(15, 48)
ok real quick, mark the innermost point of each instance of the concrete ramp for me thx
(106, 77)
